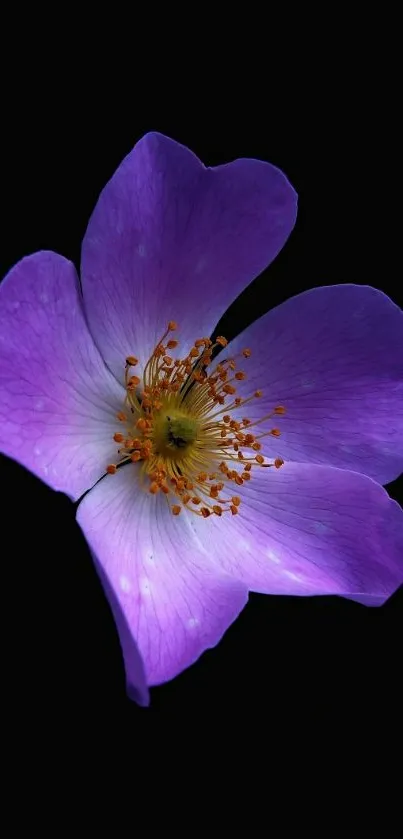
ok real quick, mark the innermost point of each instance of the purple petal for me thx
(333, 357)
(306, 529)
(57, 399)
(172, 240)
(136, 685)
(174, 602)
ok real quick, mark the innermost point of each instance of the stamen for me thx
(180, 432)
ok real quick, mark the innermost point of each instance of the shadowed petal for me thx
(175, 604)
(333, 356)
(306, 529)
(57, 399)
(136, 685)
(172, 240)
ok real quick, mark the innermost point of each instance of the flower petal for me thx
(136, 685)
(172, 240)
(306, 529)
(57, 399)
(174, 601)
(333, 356)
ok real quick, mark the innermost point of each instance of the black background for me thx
(284, 657)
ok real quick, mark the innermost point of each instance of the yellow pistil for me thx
(178, 429)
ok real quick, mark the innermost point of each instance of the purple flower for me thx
(259, 471)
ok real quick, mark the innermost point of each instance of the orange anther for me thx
(176, 509)
(259, 458)
(171, 344)
(258, 393)
(278, 462)
(154, 488)
(194, 352)
(229, 389)
(240, 375)
(275, 432)
(121, 416)
(205, 512)
(256, 446)
(279, 409)
(246, 353)
(135, 457)
(118, 438)
(131, 361)
(217, 510)
(111, 469)
(172, 325)
(221, 340)
(236, 500)
(234, 510)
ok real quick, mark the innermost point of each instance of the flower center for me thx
(178, 431)
(174, 434)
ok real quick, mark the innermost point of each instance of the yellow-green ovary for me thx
(175, 433)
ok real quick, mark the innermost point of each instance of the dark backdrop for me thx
(284, 657)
